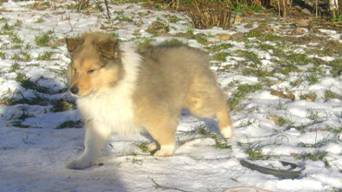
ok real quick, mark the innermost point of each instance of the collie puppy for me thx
(122, 91)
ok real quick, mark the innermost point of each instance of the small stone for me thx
(300, 30)
(223, 37)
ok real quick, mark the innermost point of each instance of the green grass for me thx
(42, 40)
(23, 56)
(144, 147)
(281, 121)
(260, 34)
(256, 71)
(286, 68)
(143, 44)
(62, 105)
(172, 42)
(243, 8)
(311, 96)
(312, 79)
(242, 91)
(173, 18)
(249, 56)
(219, 47)
(201, 38)
(220, 142)
(7, 28)
(70, 124)
(335, 130)
(39, 20)
(124, 18)
(256, 154)
(336, 67)
(16, 39)
(158, 28)
(14, 67)
(316, 156)
(328, 94)
(45, 56)
(26, 83)
(221, 56)
(298, 59)
(2, 55)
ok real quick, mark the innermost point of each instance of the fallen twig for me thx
(282, 174)
(158, 186)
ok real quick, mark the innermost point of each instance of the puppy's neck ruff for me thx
(113, 108)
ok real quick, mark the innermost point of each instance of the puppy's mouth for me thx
(82, 95)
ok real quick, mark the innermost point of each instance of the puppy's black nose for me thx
(74, 90)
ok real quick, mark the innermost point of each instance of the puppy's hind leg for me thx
(207, 100)
(164, 133)
(96, 138)
(225, 122)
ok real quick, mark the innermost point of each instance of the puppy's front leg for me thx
(96, 138)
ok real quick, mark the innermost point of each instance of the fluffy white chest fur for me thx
(113, 109)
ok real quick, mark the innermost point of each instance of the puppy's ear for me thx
(109, 49)
(73, 43)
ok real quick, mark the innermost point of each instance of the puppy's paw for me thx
(165, 151)
(152, 147)
(79, 164)
(227, 132)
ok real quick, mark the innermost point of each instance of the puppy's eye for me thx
(90, 71)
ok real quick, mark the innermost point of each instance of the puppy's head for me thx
(96, 63)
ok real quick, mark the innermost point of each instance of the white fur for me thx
(109, 111)
(165, 150)
(112, 109)
(227, 132)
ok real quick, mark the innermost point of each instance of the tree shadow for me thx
(39, 131)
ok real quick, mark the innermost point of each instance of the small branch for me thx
(158, 186)
(282, 174)
(107, 8)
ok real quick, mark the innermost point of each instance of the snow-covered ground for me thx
(285, 87)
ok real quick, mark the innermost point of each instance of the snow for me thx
(34, 151)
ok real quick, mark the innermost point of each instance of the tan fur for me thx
(145, 90)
